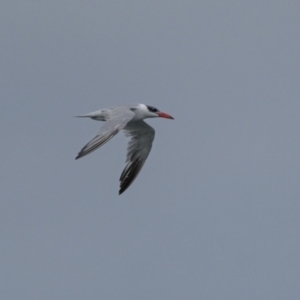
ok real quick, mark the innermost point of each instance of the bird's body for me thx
(128, 118)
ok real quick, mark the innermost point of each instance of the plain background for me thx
(214, 214)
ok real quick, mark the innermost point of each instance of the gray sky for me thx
(214, 214)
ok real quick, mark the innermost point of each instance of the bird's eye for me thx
(152, 109)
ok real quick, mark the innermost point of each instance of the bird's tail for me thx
(95, 115)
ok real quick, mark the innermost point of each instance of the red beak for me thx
(164, 115)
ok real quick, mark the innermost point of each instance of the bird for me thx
(129, 119)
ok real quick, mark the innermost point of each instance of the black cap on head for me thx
(152, 109)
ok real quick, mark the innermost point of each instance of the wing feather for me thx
(141, 137)
(115, 121)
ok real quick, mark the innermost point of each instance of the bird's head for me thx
(147, 111)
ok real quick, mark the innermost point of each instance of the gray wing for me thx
(116, 120)
(139, 147)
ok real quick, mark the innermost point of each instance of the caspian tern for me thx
(128, 118)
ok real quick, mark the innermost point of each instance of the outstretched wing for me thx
(139, 147)
(115, 121)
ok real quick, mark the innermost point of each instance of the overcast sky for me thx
(214, 214)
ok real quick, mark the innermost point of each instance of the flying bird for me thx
(128, 118)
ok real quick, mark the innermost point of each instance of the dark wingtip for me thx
(78, 155)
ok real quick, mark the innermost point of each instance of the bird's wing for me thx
(139, 146)
(116, 120)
